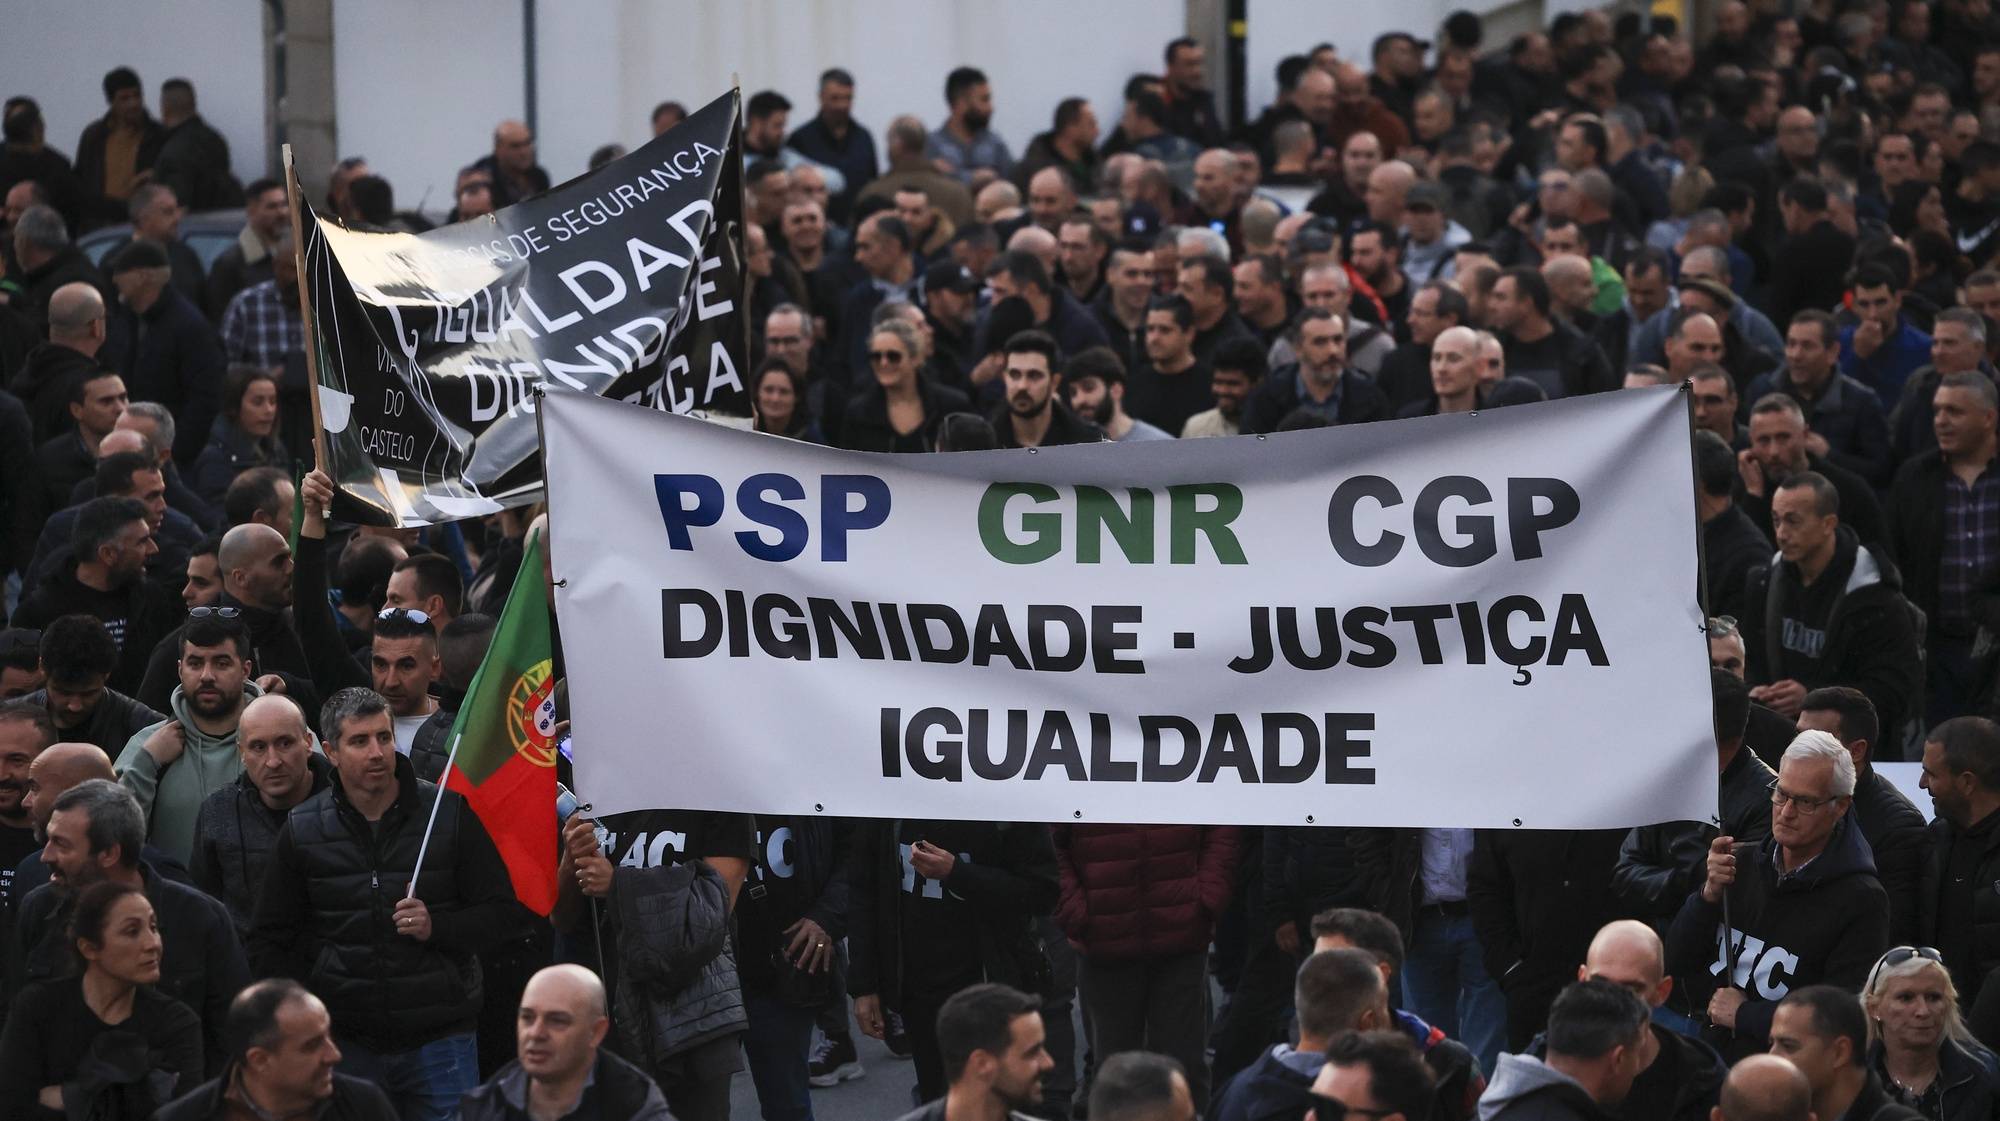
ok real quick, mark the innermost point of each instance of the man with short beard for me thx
(1778, 451)
(1239, 369)
(1033, 416)
(173, 766)
(1317, 382)
(1096, 384)
(238, 824)
(25, 732)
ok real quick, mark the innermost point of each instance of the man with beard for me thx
(79, 656)
(238, 824)
(1096, 383)
(173, 766)
(1033, 416)
(1173, 383)
(263, 325)
(255, 565)
(1778, 451)
(991, 1040)
(25, 732)
(964, 146)
(1317, 382)
(404, 662)
(96, 832)
(1239, 369)
(1375, 250)
(106, 578)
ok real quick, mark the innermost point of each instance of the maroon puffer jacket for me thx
(1143, 891)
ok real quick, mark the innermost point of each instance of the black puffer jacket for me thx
(323, 916)
(1308, 869)
(676, 985)
(234, 833)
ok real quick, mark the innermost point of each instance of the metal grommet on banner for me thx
(562, 583)
(818, 808)
(1032, 451)
(1260, 435)
(1517, 823)
(1309, 819)
(1078, 814)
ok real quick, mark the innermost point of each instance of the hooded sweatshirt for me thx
(172, 795)
(1824, 923)
(1273, 1087)
(1526, 1089)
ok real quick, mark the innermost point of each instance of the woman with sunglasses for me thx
(1919, 1045)
(899, 411)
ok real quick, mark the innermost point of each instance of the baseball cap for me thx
(950, 277)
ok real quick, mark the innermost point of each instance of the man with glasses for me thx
(1372, 1076)
(1804, 909)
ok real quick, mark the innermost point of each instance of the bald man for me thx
(255, 565)
(59, 767)
(1388, 188)
(1455, 375)
(1764, 1088)
(512, 165)
(1679, 1077)
(52, 369)
(561, 1069)
(238, 824)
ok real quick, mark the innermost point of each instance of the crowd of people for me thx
(223, 718)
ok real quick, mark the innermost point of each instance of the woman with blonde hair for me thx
(1918, 1043)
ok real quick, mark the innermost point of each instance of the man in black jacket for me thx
(96, 832)
(1778, 451)
(280, 1064)
(344, 909)
(1822, 1030)
(1813, 261)
(1320, 382)
(78, 656)
(1540, 347)
(238, 824)
(1802, 909)
(1034, 415)
(938, 906)
(1960, 904)
(1896, 831)
(1731, 544)
(1680, 1077)
(1944, 508)
(107, 579)
(1829, 611)
(561, 1068)
(1658, 865)
(255, 566)
(1844, 415)
(163, 346)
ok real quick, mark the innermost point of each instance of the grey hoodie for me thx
(1524, 1088)
(172, 796)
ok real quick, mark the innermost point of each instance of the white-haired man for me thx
(1806, 906)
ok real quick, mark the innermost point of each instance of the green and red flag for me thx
(505, 738)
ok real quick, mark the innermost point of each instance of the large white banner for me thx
(1483, 620)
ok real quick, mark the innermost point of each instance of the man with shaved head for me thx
(239, 823)
(1679, 1076)
(1455, 375)
(255, 567)
(1764, 1088)
(512, 166)
(561, 1069)
(76, 334)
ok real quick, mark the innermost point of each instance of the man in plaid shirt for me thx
(263, 323)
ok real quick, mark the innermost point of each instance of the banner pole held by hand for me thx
(425, 845)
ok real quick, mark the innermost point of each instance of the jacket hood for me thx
(1846, 854)
(1268, 1088)
(198, 740)
(1517, 1077)
(1870, 569)
(47, 363)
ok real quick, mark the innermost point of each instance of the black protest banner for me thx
(627, 282)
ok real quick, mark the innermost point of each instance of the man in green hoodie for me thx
(173, 766)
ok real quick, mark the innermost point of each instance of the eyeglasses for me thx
(1722, 626)
(886, 357)
(1782, 798)
(410, 613)
(214, 613)
(1898, 956)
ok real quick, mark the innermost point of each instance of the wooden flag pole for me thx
(306, 309)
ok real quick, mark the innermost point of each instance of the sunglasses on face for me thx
(214, 613)
(410, 613)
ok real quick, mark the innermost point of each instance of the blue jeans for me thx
(778, 1043)
(424, 1083)
(1445, 983)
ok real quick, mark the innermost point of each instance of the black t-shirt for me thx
(15, 845)
(1974, 225)
(1168, 400)
(940, 931)
(1540, 362)
(772, 900)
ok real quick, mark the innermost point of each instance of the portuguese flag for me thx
(504, 739)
